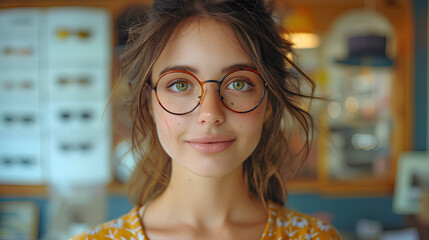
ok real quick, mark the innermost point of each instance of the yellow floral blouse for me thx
(282, 224)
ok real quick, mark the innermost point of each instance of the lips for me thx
(211, 144)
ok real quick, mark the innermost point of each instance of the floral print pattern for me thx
(285, 224)
(282, 224)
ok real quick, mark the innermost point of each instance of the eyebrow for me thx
(195, 71)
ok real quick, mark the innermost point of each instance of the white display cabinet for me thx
(18, 54)
(20, 145)
(79, 158)
(78, 34)
(78, 86)
(78, 115)
(75, 82)
(19, 39)
(19, 119)
(19, 86)
(54, 88)
(20, 160)
(22, 21)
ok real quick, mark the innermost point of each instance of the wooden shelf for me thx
(117, 188)
(296, 187)
(114, 188)
(24, 190)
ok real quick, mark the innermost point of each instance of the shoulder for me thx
(284, 224)
(126, 227)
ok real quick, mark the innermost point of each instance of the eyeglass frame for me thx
(219, 83)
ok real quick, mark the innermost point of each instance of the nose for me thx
(211, 110)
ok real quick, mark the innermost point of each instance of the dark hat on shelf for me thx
(368, 50)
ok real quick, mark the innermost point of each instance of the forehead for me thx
(202, 28)
(204, 44)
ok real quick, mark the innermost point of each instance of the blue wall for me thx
(346, 211)
(421, 80)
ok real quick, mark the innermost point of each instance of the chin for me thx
(213, 168)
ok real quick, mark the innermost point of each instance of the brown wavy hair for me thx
(272, 163)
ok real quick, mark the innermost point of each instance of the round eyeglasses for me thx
(180, 92)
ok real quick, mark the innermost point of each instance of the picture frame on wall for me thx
(18, 220)
(412, 182)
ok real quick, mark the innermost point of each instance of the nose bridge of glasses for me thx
(213, 81)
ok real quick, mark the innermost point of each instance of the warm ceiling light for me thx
(303, 40)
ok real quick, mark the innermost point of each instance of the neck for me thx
(206, 202)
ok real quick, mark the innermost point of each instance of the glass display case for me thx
(362, 123)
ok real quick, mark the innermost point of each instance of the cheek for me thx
(250, 124)
(255, 117)
(162, 122)
(169, 127)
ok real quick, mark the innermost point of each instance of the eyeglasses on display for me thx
(68, 115)
(10, 84)
(11, 118)
(16, 51)
(82, 147)
(63, 34)
(82, 81)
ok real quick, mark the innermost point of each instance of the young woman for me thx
(211, 98)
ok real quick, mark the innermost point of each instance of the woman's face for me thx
(211, 141)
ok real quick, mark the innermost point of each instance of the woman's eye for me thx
(239, 85)
(180, 86)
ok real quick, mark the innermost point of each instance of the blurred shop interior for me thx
(64, 159)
